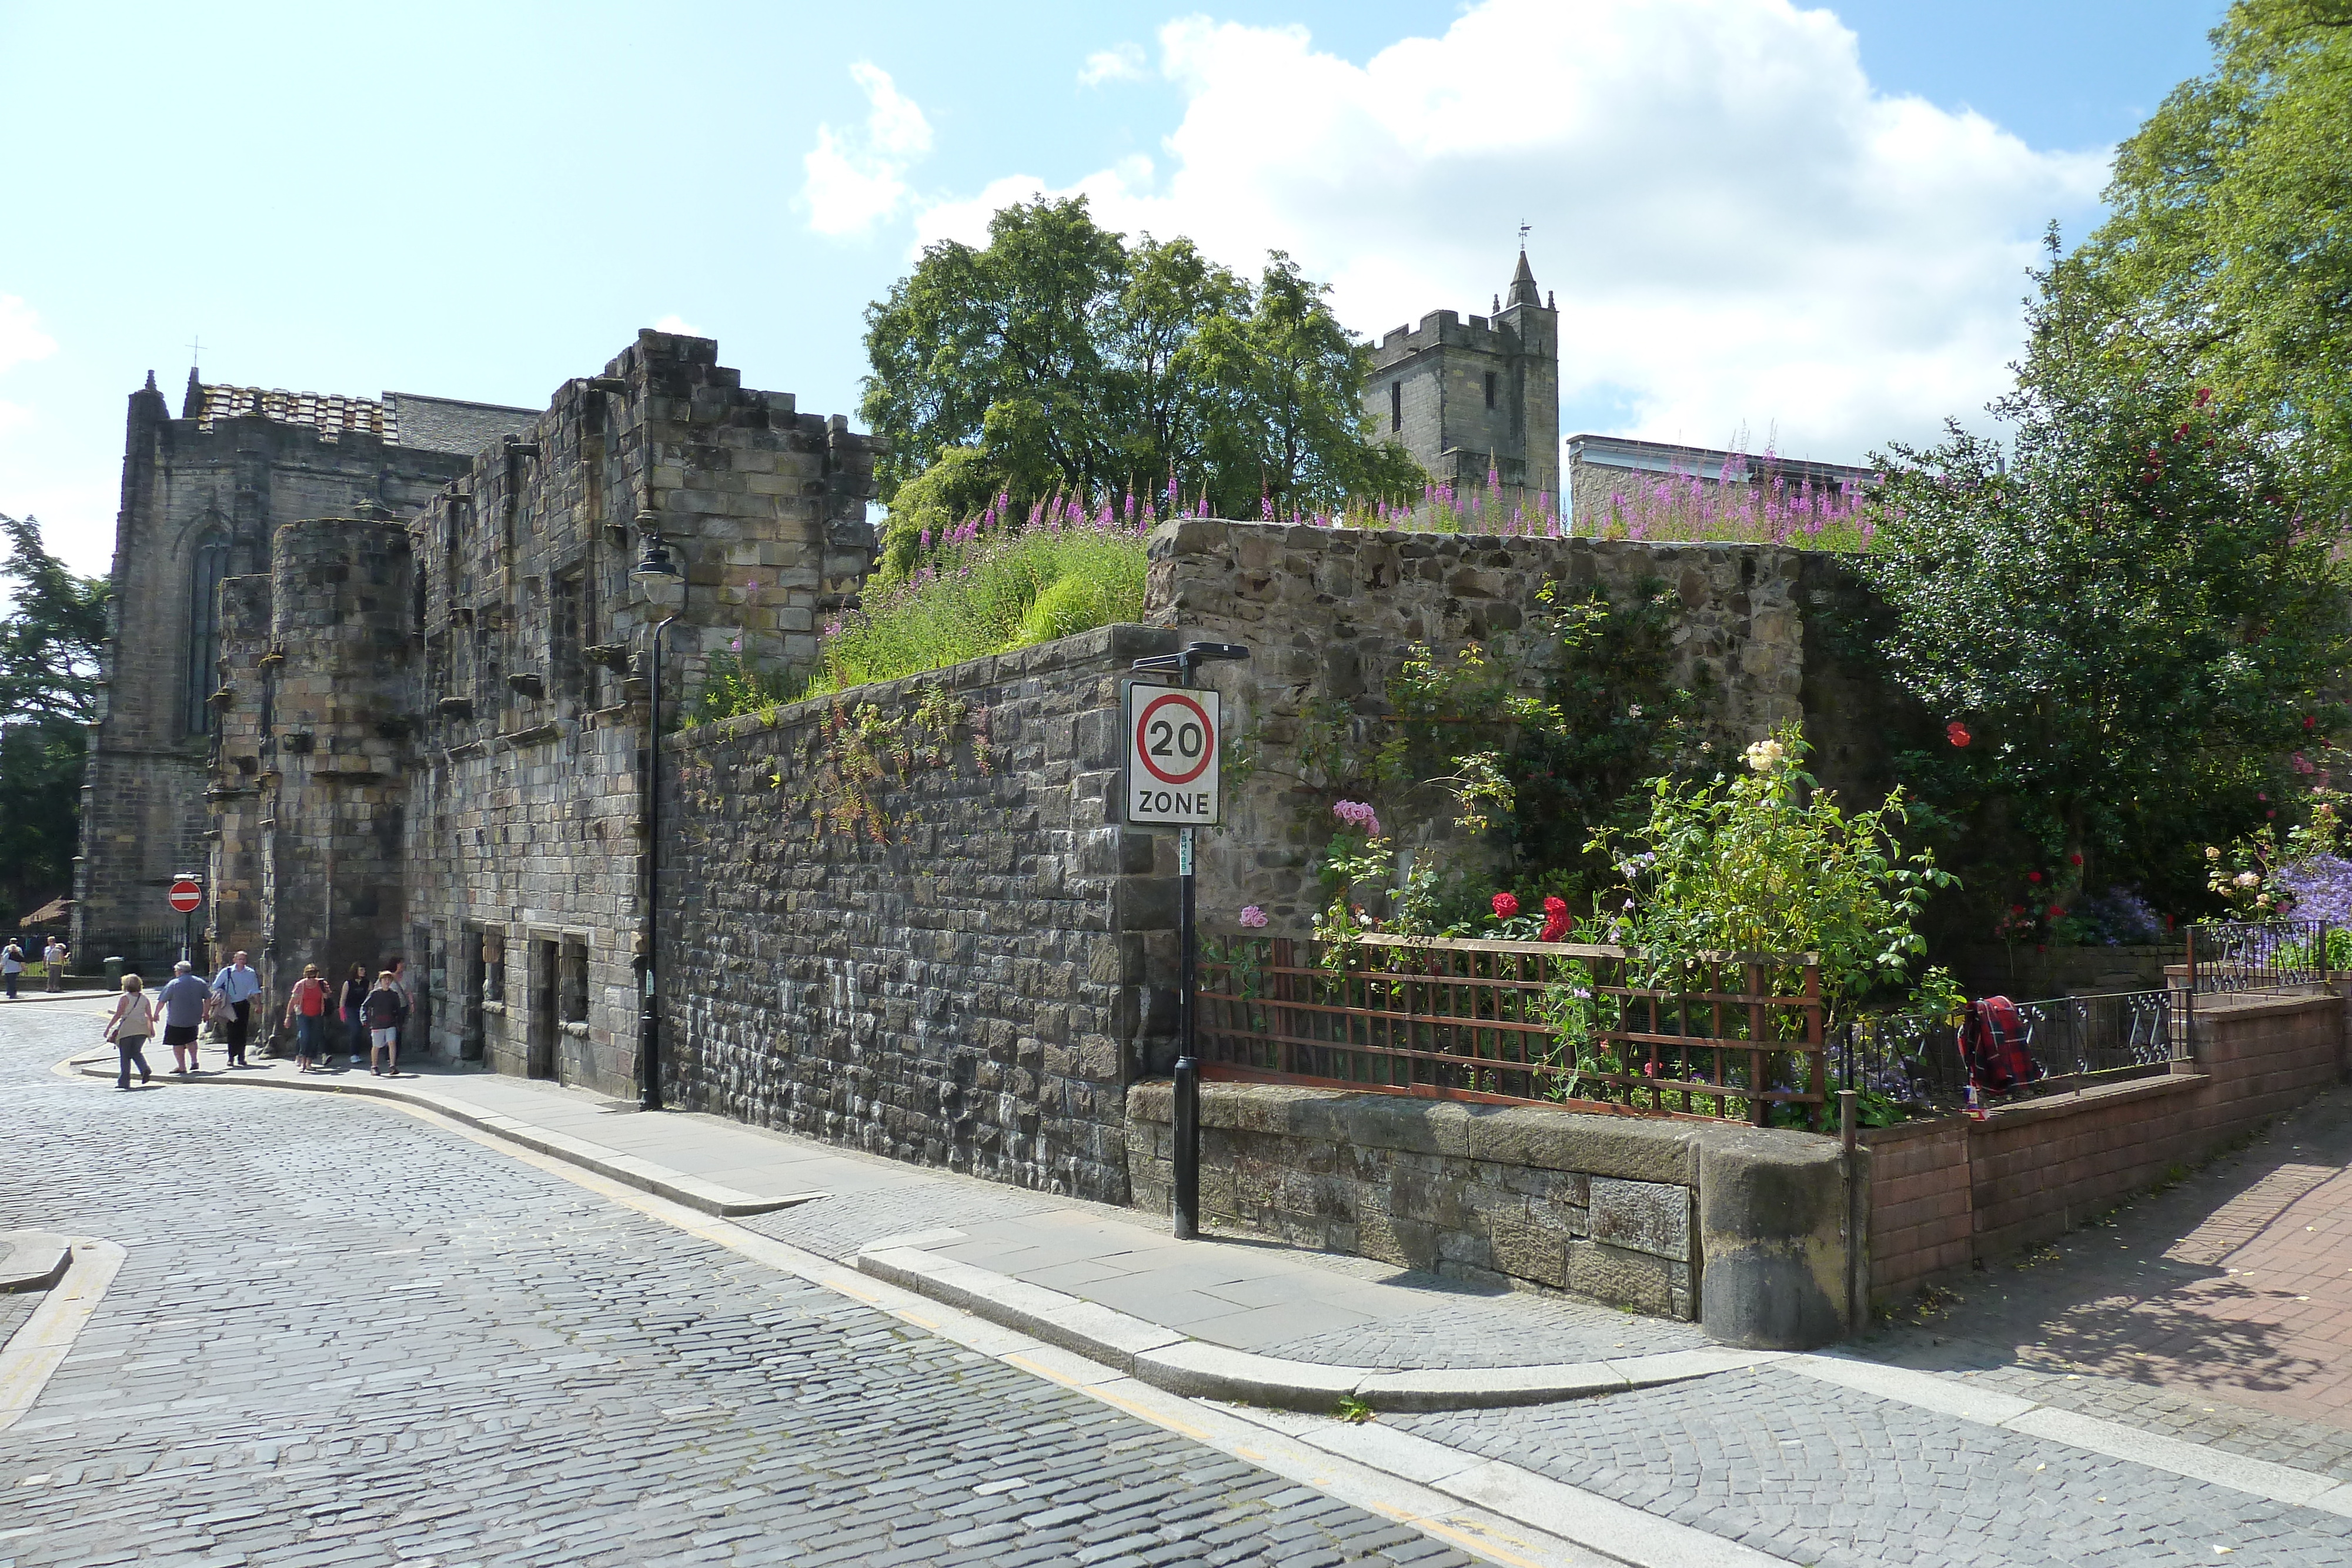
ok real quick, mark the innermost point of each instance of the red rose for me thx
(2034, 876)
(1957, 732)
(2055, 912)
(1506, 905)
(1555, 918)
(2075, 859)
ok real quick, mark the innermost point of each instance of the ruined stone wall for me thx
(185, 484)
(526, 862)
(910, 923)
(1332, 613)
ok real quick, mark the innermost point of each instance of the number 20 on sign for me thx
(1172, 756)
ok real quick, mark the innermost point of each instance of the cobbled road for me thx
(346, 1336)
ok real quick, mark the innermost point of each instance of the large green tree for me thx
(2229, 250)
(2122, 606)
(50, 642)
(1060, 358)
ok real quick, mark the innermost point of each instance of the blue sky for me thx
(1809, 225)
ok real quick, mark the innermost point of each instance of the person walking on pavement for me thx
(12, 967)
(306, 1014)
(183, 999)
(236, 986)
(386, 1008)
(53, 963)
(349, 1009)
(132, 1021)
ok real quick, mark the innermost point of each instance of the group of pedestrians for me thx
(12, 965)
(372, 1015)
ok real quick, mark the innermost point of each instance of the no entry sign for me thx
(1172, 756)
(186, 895)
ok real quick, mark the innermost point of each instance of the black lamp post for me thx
(659, 577)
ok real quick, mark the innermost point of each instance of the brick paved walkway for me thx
(2231, 1292)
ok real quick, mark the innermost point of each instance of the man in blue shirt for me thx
(237, 986)
(183, 1001)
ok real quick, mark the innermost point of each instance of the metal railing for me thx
(2256, 955)
(1914, 1058)
(148, 951)
(1733, 1035)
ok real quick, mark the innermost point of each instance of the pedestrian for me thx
(349, 1010)
(53, 962)
(386, 1008)
(132, 1021)
(183, 998)
(12, 967)
(236, 986)
(306, 1014)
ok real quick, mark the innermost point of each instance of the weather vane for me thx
(1524, 230)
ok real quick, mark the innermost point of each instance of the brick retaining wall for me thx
(1948, 1192)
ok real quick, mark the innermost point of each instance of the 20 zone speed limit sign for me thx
(1172, 756)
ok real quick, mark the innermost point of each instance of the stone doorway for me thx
(541, 1060)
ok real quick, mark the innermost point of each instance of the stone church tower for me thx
(1465, 397)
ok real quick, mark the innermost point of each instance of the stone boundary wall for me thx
(1742, 1229)
(1949, 1192)
(1330, 614)
(948, 952)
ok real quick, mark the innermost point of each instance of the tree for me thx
(1059, 360)
(49, 643)
(2228, 252)
(2123, 615)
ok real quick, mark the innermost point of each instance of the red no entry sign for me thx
(186, 895)
(1172, 756)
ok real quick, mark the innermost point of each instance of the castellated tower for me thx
(1465, 397)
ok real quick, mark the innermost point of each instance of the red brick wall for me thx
(1945, 1192)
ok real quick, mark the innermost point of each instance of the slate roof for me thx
(402, 419)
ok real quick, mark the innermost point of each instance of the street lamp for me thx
(658, 579)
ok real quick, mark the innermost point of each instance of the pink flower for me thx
(1251, 917)
(1506, 905)
(1357, 814)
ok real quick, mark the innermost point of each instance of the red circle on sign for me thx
(1208, 744)
(185, 896)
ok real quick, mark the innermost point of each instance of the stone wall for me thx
(1332, 613)
(906, 919)
(1948, 1192)
(1628, 1209)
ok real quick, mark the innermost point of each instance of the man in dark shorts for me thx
(237, 986)
(183, 1002)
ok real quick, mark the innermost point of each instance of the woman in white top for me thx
(132, 1021)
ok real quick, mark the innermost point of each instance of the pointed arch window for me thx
(206, 567)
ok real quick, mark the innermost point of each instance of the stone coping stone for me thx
(33, 1259)
(1194, 1368)
(709, 1197)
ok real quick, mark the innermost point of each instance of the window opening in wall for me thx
(472, 1031)
(572, 981)
(1490, 389)
(1396, 406)
(209, 565)
(540, 1060)
(572, 629)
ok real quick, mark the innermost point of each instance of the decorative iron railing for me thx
(1736, 1036)
(2257, 956)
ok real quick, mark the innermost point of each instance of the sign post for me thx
(1172, 780)
(187, 897)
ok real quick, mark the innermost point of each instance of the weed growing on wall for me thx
(857, 757)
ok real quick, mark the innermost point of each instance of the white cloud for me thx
(1120, 62)
(679, 325)
(1739, 229)
(856, 178)
(21, 337)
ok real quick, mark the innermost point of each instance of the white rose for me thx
(2248, 879)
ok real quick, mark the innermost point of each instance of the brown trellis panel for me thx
(1541, 1022)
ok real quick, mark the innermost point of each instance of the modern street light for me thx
(663, 584)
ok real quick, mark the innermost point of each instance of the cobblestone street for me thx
(345, 1337)
(345, 1334)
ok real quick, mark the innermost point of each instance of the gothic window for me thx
(208, 565)
(1396, 406)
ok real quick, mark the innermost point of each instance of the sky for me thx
(1807, 227)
